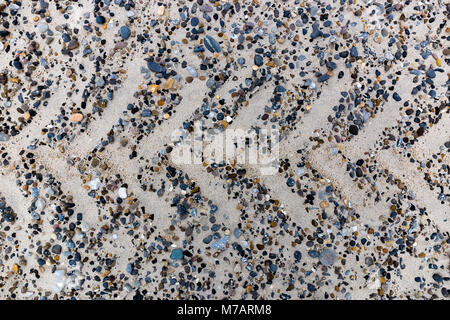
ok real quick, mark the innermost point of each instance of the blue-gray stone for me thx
(396, 96)
(156, 67)
(323, 77)
(327, 257)
(4, 136)
(146, 113)
(211, 44)
(316, 33)
(258, 60)
(313, 254)
(177, 254)
(124, 32)
(192, 71)
(431, 73)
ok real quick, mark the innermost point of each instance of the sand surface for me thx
(97, 98)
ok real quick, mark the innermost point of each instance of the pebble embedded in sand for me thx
(122, 193)
(76, 117)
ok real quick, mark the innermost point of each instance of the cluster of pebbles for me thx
(88, 87)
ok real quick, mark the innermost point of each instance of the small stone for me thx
(56, 249)
(353, 129)
(396, 97)
(177, 254)
(122, 193)
(94, 184)
(431, 74)
(258, 60)
(43, 28)
(3, 137)
(156, 67)
(192, 71)
(73, 44)
(327, 257)
(161, 10)
(211, 44)
(100, 19)
(40, 204)
(324, 77)
(124, 32)
(76, 117)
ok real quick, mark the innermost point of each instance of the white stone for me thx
(94, 184)
(40, 204)
(123, 193)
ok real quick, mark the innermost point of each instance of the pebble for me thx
(43, 27)
(177, 254)
(4, 137)
(76, 117)
(327, 257)
(211, 44)
(122, 193)
(124, 32)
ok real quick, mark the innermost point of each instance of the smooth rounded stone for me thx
(60, 280)
(210, 82)
(76, 117)
(177, 254)
(205, 8)
(35, 216)
(353, 129)
(258, 60)
(73, 44)
(124, 32)
(192, 71)
(396, 97)
(100, 19)
(56, 249)
(146, 113)
(94, 184)
(437, 277)
(120, 45)
(241, 61)
(431, 74)
(43, 27)
(17, 64)
(194, 21)
(313, 254)
(368, 261)
(85, 227)
(297, 256)
(211, 44)
(40, 204)
(4, 137)
(324, 77)
(122, 193)
(327, 257)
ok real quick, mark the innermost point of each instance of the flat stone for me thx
(124, 32)
(156, 67)
(4, 137)
(327, 257)
(177, 254)
(76, 117)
